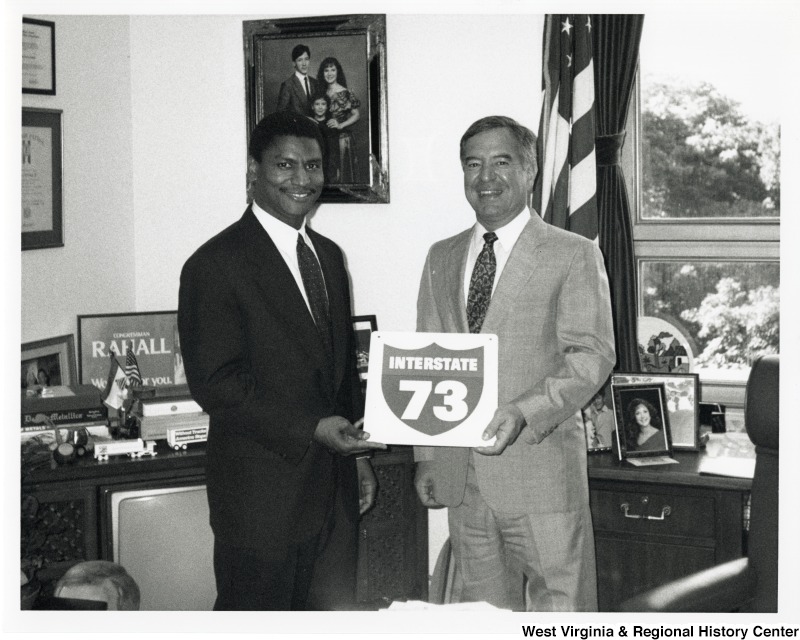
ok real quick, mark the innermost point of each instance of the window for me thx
(704, 176)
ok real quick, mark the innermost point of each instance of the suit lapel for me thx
(278, 283)
(455, 282)
(519, 270)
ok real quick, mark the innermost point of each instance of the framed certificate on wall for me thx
(41, 179)
(38, 56)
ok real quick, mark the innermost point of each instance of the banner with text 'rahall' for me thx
(436, 389)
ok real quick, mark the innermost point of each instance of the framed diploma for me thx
(38, 56)
(434, 389)
(41, 179)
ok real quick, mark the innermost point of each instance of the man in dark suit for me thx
(296, 91)
(268, 348)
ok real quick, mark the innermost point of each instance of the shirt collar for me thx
(300, 76)
(508, 234)
(283, 235)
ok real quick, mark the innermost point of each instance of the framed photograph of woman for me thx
(331, 69)
(682, 399)
(642, 420)
(48, 363)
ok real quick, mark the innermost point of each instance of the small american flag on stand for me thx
(132, 370)
(565, 189)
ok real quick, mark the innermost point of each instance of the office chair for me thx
(747, 584)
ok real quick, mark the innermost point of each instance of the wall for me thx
(189, 141)
(94, 272)
(156, 158)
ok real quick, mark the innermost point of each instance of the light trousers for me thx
(522, 561)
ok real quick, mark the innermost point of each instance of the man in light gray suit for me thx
(519, 507)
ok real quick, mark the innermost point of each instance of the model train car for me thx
(180, 437)
(132, 448)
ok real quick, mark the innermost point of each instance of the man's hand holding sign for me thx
(505, 426)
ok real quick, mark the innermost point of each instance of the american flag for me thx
(565, 189)
(132, 369)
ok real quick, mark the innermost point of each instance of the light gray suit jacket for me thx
(551, 312)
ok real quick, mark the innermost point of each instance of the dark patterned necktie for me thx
(480, 285)
(308, 91)
(314, 285)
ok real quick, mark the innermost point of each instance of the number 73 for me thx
(454, 392)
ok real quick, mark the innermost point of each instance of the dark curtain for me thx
(616, 53)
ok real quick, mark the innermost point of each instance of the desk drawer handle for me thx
(665, 511)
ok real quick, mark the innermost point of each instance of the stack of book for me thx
(63, 406)
(163, 412)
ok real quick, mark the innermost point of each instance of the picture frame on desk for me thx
(682, 400)
(357, 164)
(641, 420)
(363, 326)
(48, 362)
(598, 421)
(41, 175)
(151, 335)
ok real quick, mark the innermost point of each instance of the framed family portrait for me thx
(641, 420)
(682, 402)
(151, 336)
(48, 363)
(331, 69)
(41, 179)
(363, 326)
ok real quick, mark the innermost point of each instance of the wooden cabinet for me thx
(652, 525)
(65, 516)
(393, 536)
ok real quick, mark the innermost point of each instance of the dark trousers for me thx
(317, 574)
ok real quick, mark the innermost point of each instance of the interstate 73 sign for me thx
(433, 389)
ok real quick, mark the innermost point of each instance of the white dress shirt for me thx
(302, 79)
(285, 238)
(506, 239)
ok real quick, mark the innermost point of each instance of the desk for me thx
(703, 526)
(66, 516)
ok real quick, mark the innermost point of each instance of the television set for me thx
(163, 539)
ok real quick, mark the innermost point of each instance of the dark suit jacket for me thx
(292, 95)
(255, 363)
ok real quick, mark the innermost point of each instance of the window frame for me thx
(681, 239)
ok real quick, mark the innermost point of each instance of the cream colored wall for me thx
(189, 139)
(94, 272)
(155, 158)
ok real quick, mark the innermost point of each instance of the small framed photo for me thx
(682, 400)
(598, 421)
(151, 336)
(363, 326)
(333, 70)
(38, 56)
(642, 420)
(48, 363)
(41, 179)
